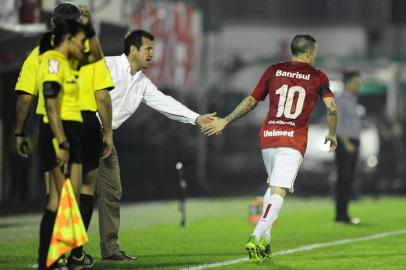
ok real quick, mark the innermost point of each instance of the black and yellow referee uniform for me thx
(27, 80)
(92, 78)
(57, 79)
(55, 69)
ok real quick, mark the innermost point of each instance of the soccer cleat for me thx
(85, 262)
(251, 248)
(264, 248)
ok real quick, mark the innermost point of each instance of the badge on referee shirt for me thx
(53, 67)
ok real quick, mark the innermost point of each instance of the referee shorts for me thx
(92, 141)
(47, 149)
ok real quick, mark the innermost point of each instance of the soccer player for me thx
(131, 88)
(293, 88)
(59, 105)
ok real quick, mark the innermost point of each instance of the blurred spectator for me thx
(348, 134)
(391, 159)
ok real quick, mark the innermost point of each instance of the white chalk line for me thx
(299, 249)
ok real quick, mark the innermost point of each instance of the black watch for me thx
(64, 145)
(20, 134)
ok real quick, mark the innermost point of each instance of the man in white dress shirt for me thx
(131, 88)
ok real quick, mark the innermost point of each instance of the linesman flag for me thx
(69, 231)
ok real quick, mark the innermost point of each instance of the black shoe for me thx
(349, 221)
(61, 264)
(86, 262)
(120, 256)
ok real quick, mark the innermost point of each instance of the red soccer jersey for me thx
(293, 88)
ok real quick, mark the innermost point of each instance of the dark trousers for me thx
(346, 163)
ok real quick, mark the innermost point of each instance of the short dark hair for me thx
(135, 38)
(66, 11)
(66, 27)
(302, 43)
(349, 75)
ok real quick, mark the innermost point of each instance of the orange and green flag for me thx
(69, 231)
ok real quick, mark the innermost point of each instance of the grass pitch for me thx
(217, 230)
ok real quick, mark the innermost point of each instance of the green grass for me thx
(218, 228)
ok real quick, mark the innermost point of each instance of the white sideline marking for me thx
(299, 249)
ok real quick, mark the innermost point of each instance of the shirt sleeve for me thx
(53, 71)
(102, 78)
(344, 122)
(167, 105)
(27, 79)
(324, 90)
(261, 90)
(111, 68)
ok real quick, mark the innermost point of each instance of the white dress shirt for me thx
(131, 90)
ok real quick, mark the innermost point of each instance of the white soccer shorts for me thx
(282, 165)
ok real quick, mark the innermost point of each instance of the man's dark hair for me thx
(302, 43)
(66, 11)
(135, 38)
(349, 75)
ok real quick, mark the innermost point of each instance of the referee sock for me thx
(272, 206)
(86, 210)
(45, 234)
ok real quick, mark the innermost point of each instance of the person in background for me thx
(346, 155)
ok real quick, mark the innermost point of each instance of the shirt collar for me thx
(124, 61)
(127, 65)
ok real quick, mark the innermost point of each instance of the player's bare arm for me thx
(217, 126)
(55, 123)
(332, 119)
(104, 109)
(24, 102)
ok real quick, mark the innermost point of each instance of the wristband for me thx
(64, 145)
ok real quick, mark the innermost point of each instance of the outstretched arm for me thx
(217, 126)
(172, 108)
(332, 119)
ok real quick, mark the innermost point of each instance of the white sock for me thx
(272, 206)
(267, 235)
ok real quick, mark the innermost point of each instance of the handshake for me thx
(210, 124)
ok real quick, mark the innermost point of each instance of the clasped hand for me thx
(210, 124)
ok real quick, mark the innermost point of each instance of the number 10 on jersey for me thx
(286, 98)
